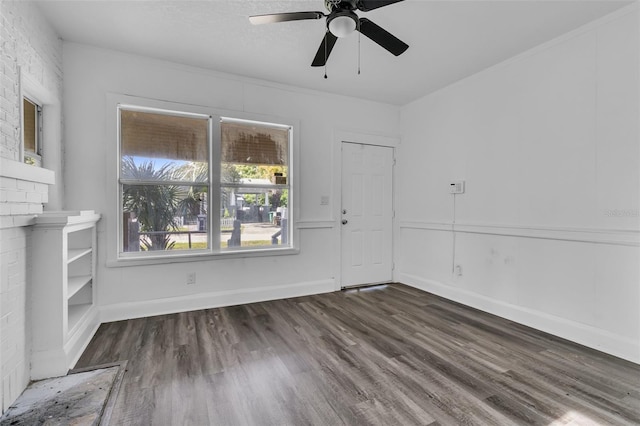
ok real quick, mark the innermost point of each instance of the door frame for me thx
(340, 136)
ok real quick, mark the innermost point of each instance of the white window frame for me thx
(115, 228)
(51, 137)
(24, 153)
(121, 182)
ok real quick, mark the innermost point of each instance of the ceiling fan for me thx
(341, 21)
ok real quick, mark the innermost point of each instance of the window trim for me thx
(288, 186)
(121, 182)
(51, 152)
(115, 257)
(24, 153)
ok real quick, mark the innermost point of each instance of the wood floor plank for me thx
(384, 355)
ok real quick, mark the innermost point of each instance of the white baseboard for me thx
(129, 310)
(55, 363)
(81, 338)
(46, 364)
(583, 334)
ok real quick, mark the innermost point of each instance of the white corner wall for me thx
(125, 292)
(547, 232)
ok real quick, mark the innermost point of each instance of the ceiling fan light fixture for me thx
(341, 21)
(344, 24)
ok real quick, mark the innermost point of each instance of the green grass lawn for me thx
(223, 244)
(222, 229)
(185, 246)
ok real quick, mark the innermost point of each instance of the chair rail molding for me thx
(622, 237)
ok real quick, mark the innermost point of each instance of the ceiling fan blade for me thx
(324, 50)
(382, 37)
(284, 17)
(367, 5)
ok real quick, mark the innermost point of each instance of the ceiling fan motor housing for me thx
(342, 23)
(337, 5)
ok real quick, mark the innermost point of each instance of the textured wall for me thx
(27, 41)
(90, 73)
(29, 44)
(547, 231)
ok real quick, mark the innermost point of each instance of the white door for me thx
(367, 214)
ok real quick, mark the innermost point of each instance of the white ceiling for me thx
(448, 40)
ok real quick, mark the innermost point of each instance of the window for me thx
(175, 199)
(31, 132)
(254, 189)
(164, 179)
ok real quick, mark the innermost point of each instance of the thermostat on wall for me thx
(457, 187)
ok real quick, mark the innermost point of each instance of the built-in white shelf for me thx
(75, 284)
(64, 286)
(75, 254)
(76, 312)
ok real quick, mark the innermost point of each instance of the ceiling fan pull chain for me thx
(359, 47)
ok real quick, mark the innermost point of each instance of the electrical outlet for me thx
(191, 278)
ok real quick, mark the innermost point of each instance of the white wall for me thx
(547, 231)
(31, 56)
(91, 73)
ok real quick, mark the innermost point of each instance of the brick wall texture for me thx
(27, 43)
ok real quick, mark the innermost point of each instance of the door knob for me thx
(344, 211)
(344, 221)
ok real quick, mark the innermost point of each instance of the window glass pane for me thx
(161, 147)
(154, 170)
(254, 192)
(164, 217)
(253, 217)
(255, 152)
(30, 125)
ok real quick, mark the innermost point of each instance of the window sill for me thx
(199, 257)
(21, 171)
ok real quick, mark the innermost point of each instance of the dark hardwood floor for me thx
(389, 355)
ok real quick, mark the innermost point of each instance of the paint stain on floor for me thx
(74, 400)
